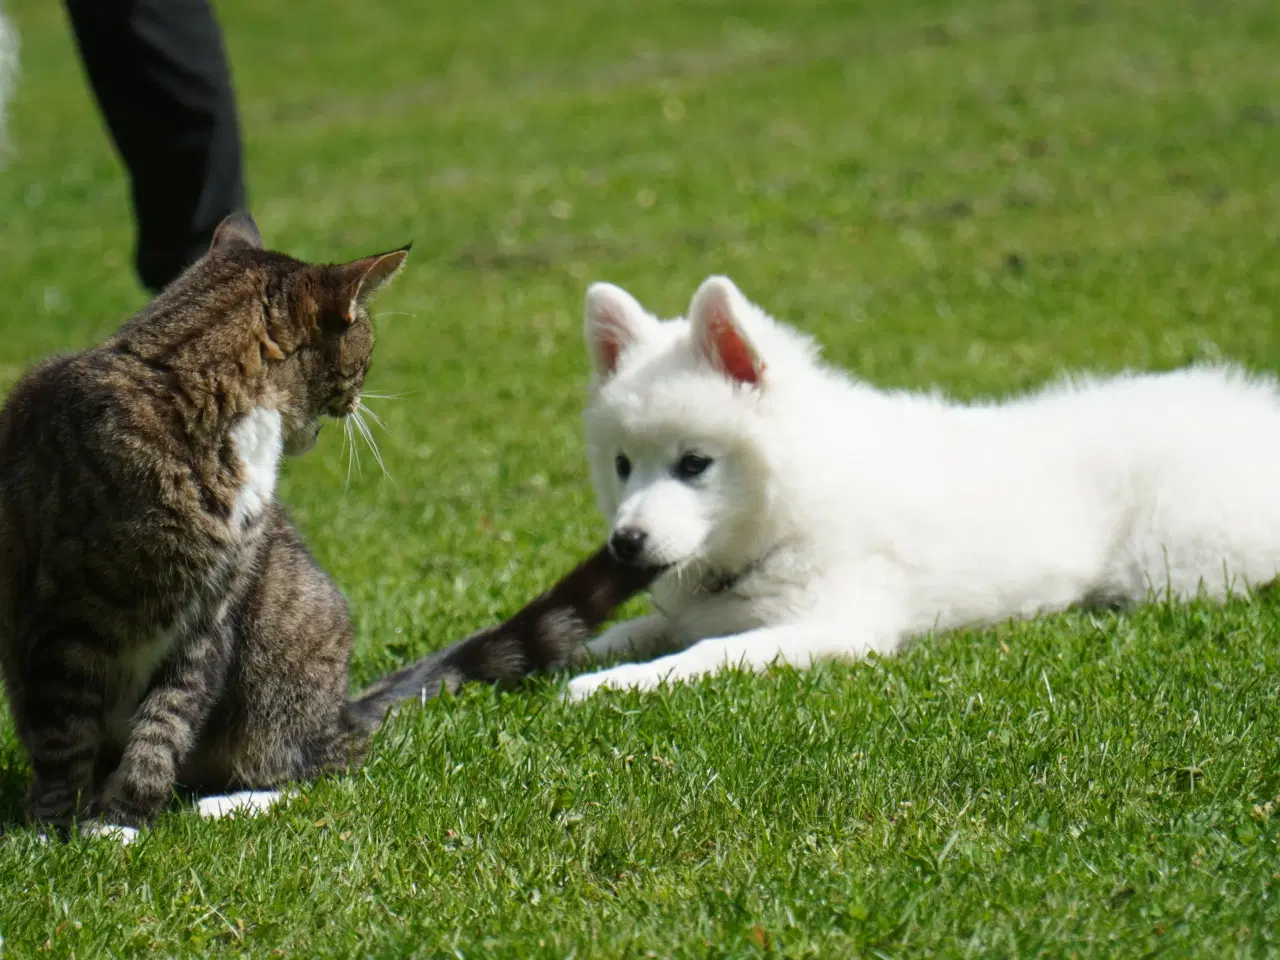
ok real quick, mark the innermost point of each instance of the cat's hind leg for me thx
(62, 723)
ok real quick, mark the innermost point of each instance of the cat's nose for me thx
(627, 543)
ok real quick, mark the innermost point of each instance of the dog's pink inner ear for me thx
(608, 346)
(731, 350)
(611, 333)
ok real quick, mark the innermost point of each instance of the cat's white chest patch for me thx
(259, 439)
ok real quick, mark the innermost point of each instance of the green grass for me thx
(974, 195)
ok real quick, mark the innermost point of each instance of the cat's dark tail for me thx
(539, 637)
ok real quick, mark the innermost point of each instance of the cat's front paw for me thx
(92, 829)
(130, 802)
(631, 676)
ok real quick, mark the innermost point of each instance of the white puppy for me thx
(800, 514)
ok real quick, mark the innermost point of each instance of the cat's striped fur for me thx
(540, 637)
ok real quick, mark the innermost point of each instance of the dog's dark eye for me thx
(692, 465)
(622, 465)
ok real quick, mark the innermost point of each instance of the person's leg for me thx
(160, 75)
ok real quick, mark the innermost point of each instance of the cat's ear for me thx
(715, 316)
(613, 321)
(360, 280)
(237, 230)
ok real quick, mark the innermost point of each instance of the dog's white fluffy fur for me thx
(837, 519)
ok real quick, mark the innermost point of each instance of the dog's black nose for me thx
(627, 543)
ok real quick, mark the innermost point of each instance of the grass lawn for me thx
(969, 194)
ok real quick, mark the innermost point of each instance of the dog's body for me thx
(834, 519)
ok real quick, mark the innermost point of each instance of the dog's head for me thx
(673, 427)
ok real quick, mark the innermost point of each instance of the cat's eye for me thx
(692, 465)
(622, 465)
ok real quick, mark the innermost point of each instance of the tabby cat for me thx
(161, 622)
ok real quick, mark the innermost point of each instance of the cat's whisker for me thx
(348, 444)
(358, 416)
(355, 447)
(377, 451)
(386, 396)
(392, 313)
(376, 419)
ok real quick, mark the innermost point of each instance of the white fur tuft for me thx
(259, 441)
(613, 322)
(716, 294)
(836, 519)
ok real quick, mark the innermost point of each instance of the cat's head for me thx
(316, 339)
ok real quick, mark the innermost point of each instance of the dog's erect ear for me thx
(614, 320)
(236, 230)
(714, 315)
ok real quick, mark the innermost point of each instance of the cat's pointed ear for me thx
(237, 230)
(715, 316)
(360, 280)
(613, 321)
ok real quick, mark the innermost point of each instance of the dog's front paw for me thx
(583, 686)
(631, 676)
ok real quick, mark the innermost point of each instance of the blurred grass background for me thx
(968, 194)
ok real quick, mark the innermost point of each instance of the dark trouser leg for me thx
(160, 75)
